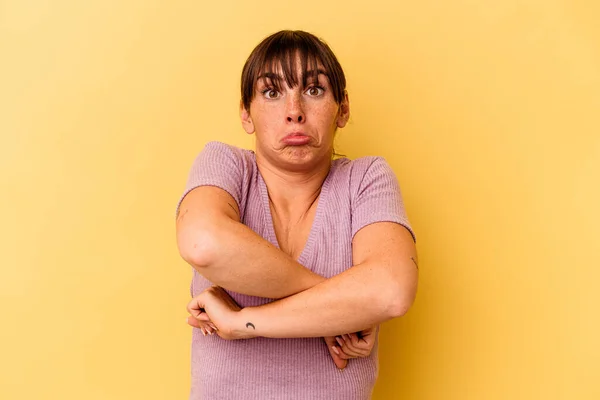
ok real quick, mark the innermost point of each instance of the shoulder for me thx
(223, 151)
(374, 191)
(363, 171)
(222, 158)
(224, 166)
(360, 165)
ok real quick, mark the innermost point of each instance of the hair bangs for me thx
(275, 59)
(281, 62)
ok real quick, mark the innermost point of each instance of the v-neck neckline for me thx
(316, 224)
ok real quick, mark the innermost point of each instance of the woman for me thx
(300, 247)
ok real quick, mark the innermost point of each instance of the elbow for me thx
(399, 308)
(197, 246)
(401, 299)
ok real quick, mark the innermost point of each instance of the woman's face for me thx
(294, 126)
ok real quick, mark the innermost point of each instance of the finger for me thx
(348, 352)
(358, 344)
(335, 353)
(364, 345)
(337, 349)
(203, 317)
(339, 362)
(361, 346)
(367, 334)
(340, 352)
(194, 322)
(348, 347)
(204, 328)
(194, 307)
(211, 327)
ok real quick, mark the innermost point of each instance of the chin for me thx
(302, 157)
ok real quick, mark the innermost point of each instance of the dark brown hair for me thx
(279, 51)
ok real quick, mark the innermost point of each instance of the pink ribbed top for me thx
(354, 194)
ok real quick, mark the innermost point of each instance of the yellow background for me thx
(488, 111)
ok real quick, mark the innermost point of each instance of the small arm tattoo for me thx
(180, 216)
(233, 208)
(250, 324)
(413, 260)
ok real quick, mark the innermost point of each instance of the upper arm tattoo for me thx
(233, 208)
(413, 260)
(180, 216)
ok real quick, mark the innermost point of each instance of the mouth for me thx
(296, 139)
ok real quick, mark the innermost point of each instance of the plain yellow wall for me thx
(488, 111)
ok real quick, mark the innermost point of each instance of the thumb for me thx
(339, 362)
(193, 322)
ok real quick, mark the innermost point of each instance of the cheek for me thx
(326, 115)
(267, 119)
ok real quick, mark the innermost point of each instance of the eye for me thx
(270, 93)
(315, 91)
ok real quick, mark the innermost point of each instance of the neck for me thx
(293, 190)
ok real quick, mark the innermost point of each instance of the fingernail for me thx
(335, 350)
(339, 341)
(203, 333)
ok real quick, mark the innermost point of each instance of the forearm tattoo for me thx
(250, 324)
(413, 260)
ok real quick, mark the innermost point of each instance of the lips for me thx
(296, 139)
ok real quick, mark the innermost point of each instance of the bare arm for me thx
(380, 286)
(212, 239)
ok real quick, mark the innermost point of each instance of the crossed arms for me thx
(380, 286)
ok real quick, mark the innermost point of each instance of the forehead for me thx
(293, 70)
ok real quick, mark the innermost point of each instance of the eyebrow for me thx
(277, 77)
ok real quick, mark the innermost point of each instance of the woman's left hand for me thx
(355, 345)
(215, 308)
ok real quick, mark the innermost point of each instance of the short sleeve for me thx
(377, 197)
(220, 165)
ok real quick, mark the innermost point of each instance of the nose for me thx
(295, 109)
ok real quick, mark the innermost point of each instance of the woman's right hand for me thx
(345, 347)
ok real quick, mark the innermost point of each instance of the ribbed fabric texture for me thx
(355, 194)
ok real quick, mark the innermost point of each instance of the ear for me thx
(344, 113)
(247, 123)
